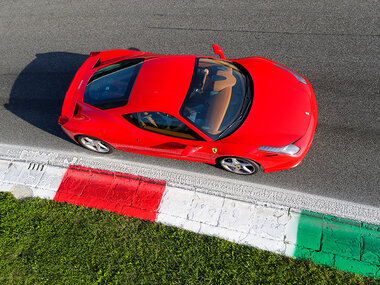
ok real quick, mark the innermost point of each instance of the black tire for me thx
(94, 144)
(238, 165)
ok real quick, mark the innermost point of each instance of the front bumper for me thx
(275, 162)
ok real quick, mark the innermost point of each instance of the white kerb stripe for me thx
(24, 179)
(225, 218)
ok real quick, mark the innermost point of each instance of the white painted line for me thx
(236, 221)
(264, 243)
(13, 172)
(30, 180)
(4, 165)
(30, 176)
(51, 178)
(44, 193)
(4, 187)
(205, 209)
(223, 233)
(176, 202)
(269, 223)
(178, 222)
(237, 215)
(291, 233)
(291, 228)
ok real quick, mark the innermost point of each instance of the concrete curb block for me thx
(228, 188)
(30, 179)
(341, 243)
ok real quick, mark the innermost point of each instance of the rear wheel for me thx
(95, 144)
(239, 165)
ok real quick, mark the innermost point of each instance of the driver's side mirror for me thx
(218, 51)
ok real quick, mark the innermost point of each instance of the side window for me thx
(162, 123)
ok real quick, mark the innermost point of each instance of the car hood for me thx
(281, 106)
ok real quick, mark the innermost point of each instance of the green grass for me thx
(43, 241)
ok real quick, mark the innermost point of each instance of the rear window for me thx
(111, 86)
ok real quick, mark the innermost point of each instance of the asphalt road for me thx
(334, 44)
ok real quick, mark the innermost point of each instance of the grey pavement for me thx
(335, 45)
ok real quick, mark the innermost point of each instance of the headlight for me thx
(289, 149)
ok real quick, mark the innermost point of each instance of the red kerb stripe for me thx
(122, 193)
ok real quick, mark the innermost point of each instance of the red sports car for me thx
(244, 114)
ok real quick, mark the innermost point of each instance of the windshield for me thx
(218, 97)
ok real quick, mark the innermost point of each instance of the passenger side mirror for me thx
(218, 51)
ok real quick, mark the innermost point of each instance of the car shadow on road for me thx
(38, 92)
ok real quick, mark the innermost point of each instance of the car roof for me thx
(162, 84)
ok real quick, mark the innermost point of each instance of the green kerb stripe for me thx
(341, 243)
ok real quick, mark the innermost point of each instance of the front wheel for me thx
(239, 165)
(94, 144)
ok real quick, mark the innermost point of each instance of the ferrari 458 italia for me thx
(243, 114)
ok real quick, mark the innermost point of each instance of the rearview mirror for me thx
(218, 51)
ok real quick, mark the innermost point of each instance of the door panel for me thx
(151, 143)
(161, 134)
